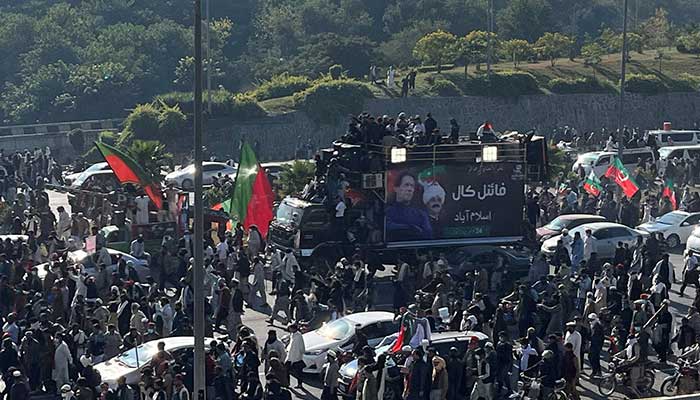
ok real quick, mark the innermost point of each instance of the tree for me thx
(524, 19)
(151, 155)
(690, 43)
(473, 48)
(553, 45)
(516, 50)
(657, 30)
(592, 54)
(437, 48)
(295, 176)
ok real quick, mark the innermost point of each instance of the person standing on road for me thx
(272, 346)
(258, 285)
(589, 245)
(295, 354)
(596, 345)
(690, 271)
(330, 375)
(570, 369)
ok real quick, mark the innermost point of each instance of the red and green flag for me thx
(619, 173)
(251, 202)
(669, 192)
(592, 184)
(127, 170)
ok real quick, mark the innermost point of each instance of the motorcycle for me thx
(685, 380)
(530, 389)
(608, 384)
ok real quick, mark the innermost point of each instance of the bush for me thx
(645, 84)
(171, 122)
(335, 71)
(445, 88)
(245, 107)
(328, 100)
(579, 85)
(143, 122)
(433, 68)
(503, 84)
(224, 104)
(92, 155)
(691, 80)
(281, 86)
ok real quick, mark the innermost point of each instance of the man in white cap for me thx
(486, 374)
(574, 337)
(596, 344)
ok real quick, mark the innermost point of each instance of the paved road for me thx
(257, 321)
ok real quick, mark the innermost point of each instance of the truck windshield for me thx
(287, 214)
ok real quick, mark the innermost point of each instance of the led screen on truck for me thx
(453, 201)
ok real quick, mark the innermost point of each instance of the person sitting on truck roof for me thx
(486, 134)
(403, 220)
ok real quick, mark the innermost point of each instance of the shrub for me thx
(503, 84)
(281, 86)
(445, 88)
(579, 85)
(327, 100)
(92, 155)
(143, 122)
(645, 84)
(245, 107)
(171, 122)
(224, 104)
(335, 71)
(76, 137)
(692, 80)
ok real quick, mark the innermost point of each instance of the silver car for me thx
(607, 234)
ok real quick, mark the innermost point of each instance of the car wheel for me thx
(187, 184)
(673, 241)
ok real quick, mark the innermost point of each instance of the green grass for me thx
(672, 67)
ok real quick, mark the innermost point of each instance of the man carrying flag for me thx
(592, 184)
(619, 173)
(251, 202)
(669, 192)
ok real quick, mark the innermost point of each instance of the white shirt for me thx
(222, 250)
(295, 348)
(575, 339)
(340, 209)
(142, 210)
(589, 246)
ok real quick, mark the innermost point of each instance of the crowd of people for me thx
(61, 316)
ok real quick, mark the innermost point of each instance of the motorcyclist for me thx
(630, 360)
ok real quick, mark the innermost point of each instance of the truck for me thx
(403, 199)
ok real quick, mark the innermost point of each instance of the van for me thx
(668, 153)
(675, 137)
(630, 159)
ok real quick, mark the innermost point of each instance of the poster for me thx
(453, 201)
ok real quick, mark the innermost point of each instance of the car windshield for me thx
(671, 218)
(287, 214)
(337, 330)
(665, 151)
(140, 355)
(557, 224)
(587, 158)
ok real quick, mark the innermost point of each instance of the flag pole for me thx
(198, 267)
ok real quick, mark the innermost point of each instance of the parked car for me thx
(630, 159)
(340, 334)
(566, 221)
(668, 153)
(100, 166)
(132, 362)
(671, 137)
(468, 258)
(693, 242)
(184, 177)
(676, 226)
(608, 234)
(89, 267)
(441, 341)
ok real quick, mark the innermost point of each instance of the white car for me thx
(608, 235)
(376, 325)
(184, 177)
(586, 160)
(676, 226)
(88, 262)
(693, 242)
(131, 362)
(100, 166)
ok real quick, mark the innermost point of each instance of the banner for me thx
(453, 201)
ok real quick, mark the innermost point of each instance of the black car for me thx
(470, 258)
